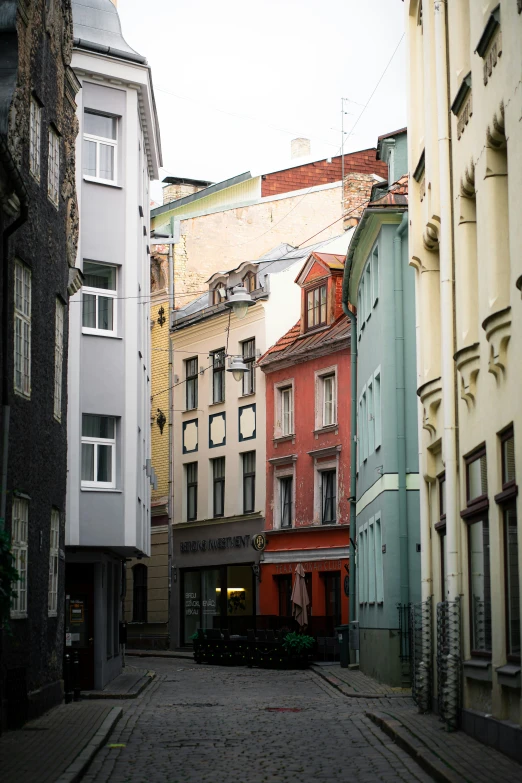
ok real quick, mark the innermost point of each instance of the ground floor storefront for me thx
(94, 591)
(324, 555)
(215, 577)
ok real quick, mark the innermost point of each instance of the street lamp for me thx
(237, 367)
(240, 300)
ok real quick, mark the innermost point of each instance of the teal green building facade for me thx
(380, 284)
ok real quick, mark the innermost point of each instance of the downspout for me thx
(353, 448)
(400, 389)
(170, 502)
(6, 408)
(447, 304)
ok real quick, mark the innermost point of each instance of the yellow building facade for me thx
(465, 158)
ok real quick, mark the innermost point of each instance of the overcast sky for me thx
(281, 65)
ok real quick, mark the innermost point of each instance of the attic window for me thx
(249, 281)
(316, 307)
(219, 294)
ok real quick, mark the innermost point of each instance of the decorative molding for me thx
(490, 45)
(498, 332)
(418, 174)
(432, 233)
(490, 29)
(496, 133)
(430, 395)
(462, 94)
(190, 436)
(217, 430)
(247, 422)
(467, 181)
(277, 461)
(467, 360)
(519, 281)
(330, 451)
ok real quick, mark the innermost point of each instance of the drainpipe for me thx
(447, 303)
(6, 408)
(400, 384)
(353, 450)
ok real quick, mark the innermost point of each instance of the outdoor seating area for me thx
(265, 649)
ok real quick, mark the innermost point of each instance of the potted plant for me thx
(298, 647)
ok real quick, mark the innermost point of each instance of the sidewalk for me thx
(353, 682)
(449, 757)
(126, 685)
(160, 654)
(59, 746)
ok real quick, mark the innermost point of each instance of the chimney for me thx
(357, 190)
(180, 189)
(300, 148)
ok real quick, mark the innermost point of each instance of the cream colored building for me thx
(465, 158)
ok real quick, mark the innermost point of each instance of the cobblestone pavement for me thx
(202, 723)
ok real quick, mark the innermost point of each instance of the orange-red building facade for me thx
(308, 453)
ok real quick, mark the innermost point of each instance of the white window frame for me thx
(281, 389)
(377, 407)
(375, 275)
(360, 565)
(360, 319)
(35, 131)
(58, 358)
(101, 442)
(368, 289)
(371, 561)
(364, 427)
(285, 471)
(371, 417)
(53, 167)
(320, 375)
(54, 559)
(363, 301)
(22, 329)
(99, 140)
(379, 575)
(319, 468)
(107, 293)
(20, 552)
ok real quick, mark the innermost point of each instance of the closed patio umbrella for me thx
(300, 598)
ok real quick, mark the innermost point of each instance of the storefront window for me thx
(211, 598)
(239, 591)
(192, 603)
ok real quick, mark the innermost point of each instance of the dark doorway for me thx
(79, 619)
(332, 589)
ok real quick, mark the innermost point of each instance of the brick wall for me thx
(322, 173)
(356, 194)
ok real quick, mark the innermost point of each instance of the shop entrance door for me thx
(79, 619)
(332, 587)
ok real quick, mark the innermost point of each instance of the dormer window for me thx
(219, 294)
(316, 307)
(249, 282)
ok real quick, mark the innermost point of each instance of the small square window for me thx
(98, 451)
(99, 299)
(100, 146)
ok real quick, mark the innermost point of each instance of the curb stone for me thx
(341, 687)
(76, 770)
(424, 757)
(158, 654)
(147, 679)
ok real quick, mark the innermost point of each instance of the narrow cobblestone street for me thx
(202, 723)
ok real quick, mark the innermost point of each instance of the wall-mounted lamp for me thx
(161, 420)
(161, 314)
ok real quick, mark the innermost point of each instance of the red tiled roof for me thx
(293, 343)
(332, 260)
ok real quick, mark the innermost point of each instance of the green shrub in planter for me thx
(298, 644)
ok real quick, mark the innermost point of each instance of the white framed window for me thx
(368, 290)
(53, 167)
(377, 408)
(54, 550)
(326, 486)
(19, 549)
(99, 302)
(379, 582)
(359, 433)
(360, 566)
(100, 146)
(371, 419)
(98, 451)
(287, 411)
(286, 501)
(362, 295)
(35, 130)
(371, 561)
(326, 397)
(375, 275)
(58, 359)
(360, 319)
(364, 427)
(22, 330)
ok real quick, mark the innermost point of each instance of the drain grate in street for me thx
(283, 709)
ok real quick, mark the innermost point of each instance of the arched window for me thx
(249, 281)
(139, 593)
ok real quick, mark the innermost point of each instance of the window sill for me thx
(328, 428)
(478, 669)
(249, 394)
(22, 395)
(101, 489)
(105, 182)
(213, 404)
(101, 334)
(283, 438)
(18, 616)
(190, 410)
(509, 675)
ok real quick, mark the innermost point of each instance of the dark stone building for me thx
(39, 232)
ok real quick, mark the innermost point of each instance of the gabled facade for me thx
(379, 282)
(108, 504)
(39, 234)
(465, 143)
(308, 453)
